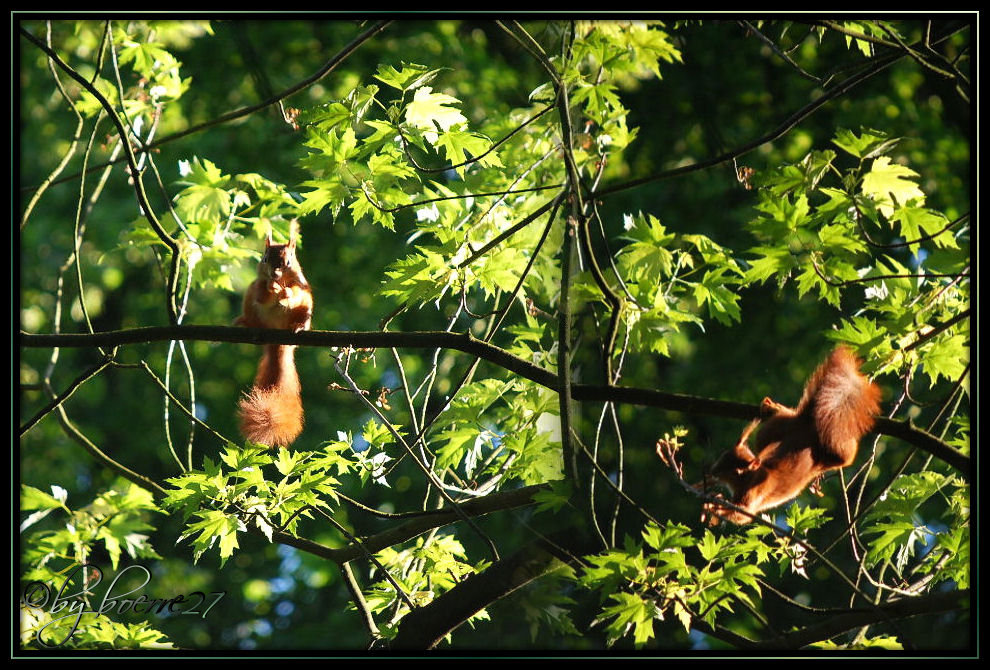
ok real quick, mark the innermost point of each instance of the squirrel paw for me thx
(713, 513)
(754, 464)
(769, 407)
(815, 487)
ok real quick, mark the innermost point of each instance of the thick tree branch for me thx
(475, 507)
(468, 344)
(564, 322)
(934, 603)
(905, 430)
(425, 627)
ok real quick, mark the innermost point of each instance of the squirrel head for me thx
(278, 258)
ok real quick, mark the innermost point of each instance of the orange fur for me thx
(271, 412)
(795, 447)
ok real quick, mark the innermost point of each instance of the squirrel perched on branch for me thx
(271, 412)
(795, 447)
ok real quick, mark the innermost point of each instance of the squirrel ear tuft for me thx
(293, 231)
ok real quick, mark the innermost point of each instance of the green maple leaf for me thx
(459, 144)
(891, 186)
(631, 612)
(917, 222)
(868, 144)
(429, 111)
(410, 75)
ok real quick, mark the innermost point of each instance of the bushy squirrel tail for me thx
(842, 402)
(271, 412)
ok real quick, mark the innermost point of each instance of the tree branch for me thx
(908, 607)
(515, 228)
(466, 343)
(475, 507)
(786, 125)
(240, 112)
(425, 627)
(424, 467)
(429, 520)
(840, 89)
(135, 171)
(66, 394)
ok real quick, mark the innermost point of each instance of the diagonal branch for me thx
(782, 128)
(424, 467)
(135, 171)
(241, 112)
(433, 519)
(934, 603)
(880, 64)
(425, 627)
(515, 228)
(66, 394)
(427, 521)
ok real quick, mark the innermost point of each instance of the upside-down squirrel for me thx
(794, 447)
(271, 412)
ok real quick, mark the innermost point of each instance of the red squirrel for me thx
(795, 447)
(271, 412)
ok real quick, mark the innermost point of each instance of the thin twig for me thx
(509, 232)
(474, 159)
(422, 466)
(135, 172)
(358, 599)
(773, 47)
(240, 112)
(782, 128)
(66, 394)
(367, 554)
